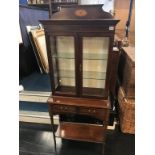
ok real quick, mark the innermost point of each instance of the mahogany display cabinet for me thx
(82, 61)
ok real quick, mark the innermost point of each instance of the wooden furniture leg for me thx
(103, 148)
(54, 137)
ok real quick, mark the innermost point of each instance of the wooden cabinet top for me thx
(83, 13)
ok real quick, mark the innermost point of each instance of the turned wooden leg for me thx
(52, 124)
(54, 137)
(103, 148)
(104, 135)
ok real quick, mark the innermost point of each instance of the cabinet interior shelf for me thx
(63, 77)
(96, 75)
(74, 131)
(85, 56)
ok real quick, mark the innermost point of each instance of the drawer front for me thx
(60, 109)
(95, 112)
(102, 114)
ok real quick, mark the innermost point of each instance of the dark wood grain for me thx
(77, 131)
(79, 22)
(114, 70)
(92, 12)
(94, 24)
(79, 102)
(91, 107)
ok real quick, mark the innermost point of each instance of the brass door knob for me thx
(94, 111)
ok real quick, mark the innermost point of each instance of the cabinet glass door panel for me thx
(92, 83)
(65, 47)
(63, 55)
(95, 57)
(94, 68)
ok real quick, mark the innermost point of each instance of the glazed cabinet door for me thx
(80, 64)
(63, 64)
(95, 53)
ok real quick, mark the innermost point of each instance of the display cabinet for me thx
(82, 62)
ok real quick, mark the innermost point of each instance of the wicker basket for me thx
(126, 112)
(126, 70)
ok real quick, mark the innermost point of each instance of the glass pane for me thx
(67, 82)
(95, 47)
(95, 56)
(97, 67)
(63, 55)
(65, 47)
(92, 83)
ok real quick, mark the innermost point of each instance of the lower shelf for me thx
(81, 131)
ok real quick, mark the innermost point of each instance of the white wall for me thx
(91, 1)
(108, 4)
(19, 34)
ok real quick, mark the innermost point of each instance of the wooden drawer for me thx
(60, 109)
(96, 108)
(96, 112)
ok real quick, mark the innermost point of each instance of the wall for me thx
(108, 4)
(121, 8)
(20, 35)
(91, 2)
(122, 11)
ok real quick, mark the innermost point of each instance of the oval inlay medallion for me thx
(81, 12)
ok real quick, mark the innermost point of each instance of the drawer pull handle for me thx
(57, 101)
(66, 108)
(94, 111)
(89, 110)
